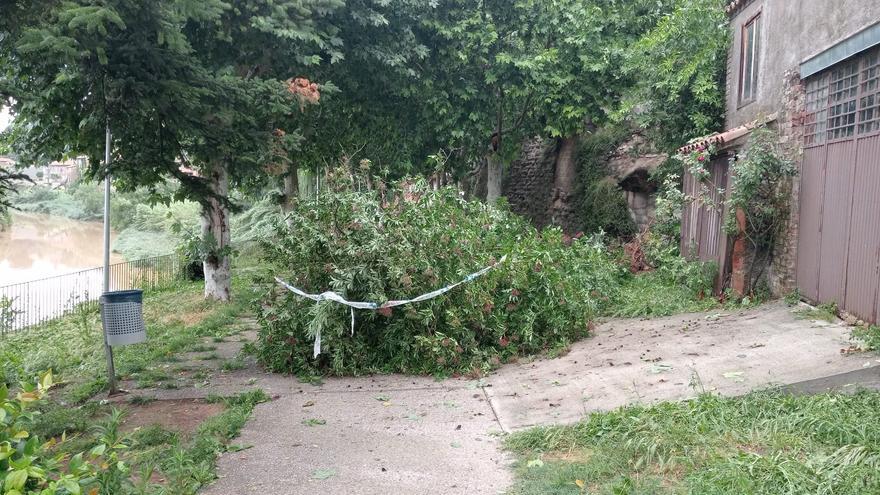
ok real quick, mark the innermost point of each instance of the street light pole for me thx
(108, 351)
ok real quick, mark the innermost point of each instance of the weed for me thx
(766, 442)
(190, 467)
(55, 419)
(141, 400)
(234, 364)
(203, 348)
(870, 335)
(209, 357)
(793, 297)
(154, 435)
(824, 312)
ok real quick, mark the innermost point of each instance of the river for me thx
(38, 246)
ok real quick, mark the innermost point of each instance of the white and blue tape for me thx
(333, 296)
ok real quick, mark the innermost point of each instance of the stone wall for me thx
(782, 274)
(528, 185)
(642, 208)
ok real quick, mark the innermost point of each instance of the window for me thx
(843, 101)
(816, 106)
(869, 103)
(748, 70)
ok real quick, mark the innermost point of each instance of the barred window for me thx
(844, 100)
(816, 118)
(869, 103)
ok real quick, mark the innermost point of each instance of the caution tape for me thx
(335, 297)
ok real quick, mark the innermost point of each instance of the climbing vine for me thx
(760, 190)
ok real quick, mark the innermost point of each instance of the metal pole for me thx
(111, 369)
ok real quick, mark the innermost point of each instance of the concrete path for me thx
(403, 435)
(646, 361)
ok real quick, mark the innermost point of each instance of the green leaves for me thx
(542, 297)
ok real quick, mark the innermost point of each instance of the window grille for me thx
(843, 101)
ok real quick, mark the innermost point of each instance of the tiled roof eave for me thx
(726, 137)
(734, 6)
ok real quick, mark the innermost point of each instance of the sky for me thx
(5, 118)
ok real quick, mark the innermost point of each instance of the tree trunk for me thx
(565, 183)
(215, 230)
(493, 179)
(291, 189)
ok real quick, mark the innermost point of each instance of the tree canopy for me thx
(210, 93)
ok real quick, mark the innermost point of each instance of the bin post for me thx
(108, 351)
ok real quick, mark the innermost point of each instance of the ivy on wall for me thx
(759, 191)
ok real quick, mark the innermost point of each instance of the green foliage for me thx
(61, 346)
(824, 312)
(760, 177)
(543, 296)
(190, 467)
(870, 335)
(28, 467)
(679, 69)
(768, 443)
(604, 205)
(675, 285)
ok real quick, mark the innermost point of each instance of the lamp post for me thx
(108, 351)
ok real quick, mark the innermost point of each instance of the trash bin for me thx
(122, 317)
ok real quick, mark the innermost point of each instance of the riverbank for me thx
(37, 246)
(141, 230)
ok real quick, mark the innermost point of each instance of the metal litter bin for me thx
(122, 317)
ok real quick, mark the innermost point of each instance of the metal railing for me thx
(30, 304)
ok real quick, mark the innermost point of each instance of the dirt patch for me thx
(183, 416)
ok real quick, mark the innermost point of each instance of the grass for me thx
(824, 312)
(178, 319)
(187, 466)
(650, 295)
(761, 443)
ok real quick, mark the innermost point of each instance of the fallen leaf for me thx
(535, 463)
(323, 474)
(660, 368)
(309, 403)
(736, 376)
(580, 484)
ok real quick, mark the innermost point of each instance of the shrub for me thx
(543, 296)
(28, 466)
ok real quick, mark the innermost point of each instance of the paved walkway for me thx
(402, 435)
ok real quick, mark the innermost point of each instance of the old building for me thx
(810, 68)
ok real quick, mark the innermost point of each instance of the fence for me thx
(29, 304)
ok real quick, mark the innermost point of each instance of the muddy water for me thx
(38, 246)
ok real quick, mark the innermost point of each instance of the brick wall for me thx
(528, 185)
(782, 274)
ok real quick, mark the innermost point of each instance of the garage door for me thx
(839, 227)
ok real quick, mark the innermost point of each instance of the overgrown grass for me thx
(177, 320)
(823, 312)
(652, 295)
(190, 465)
(869, 335)
(762, 443)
